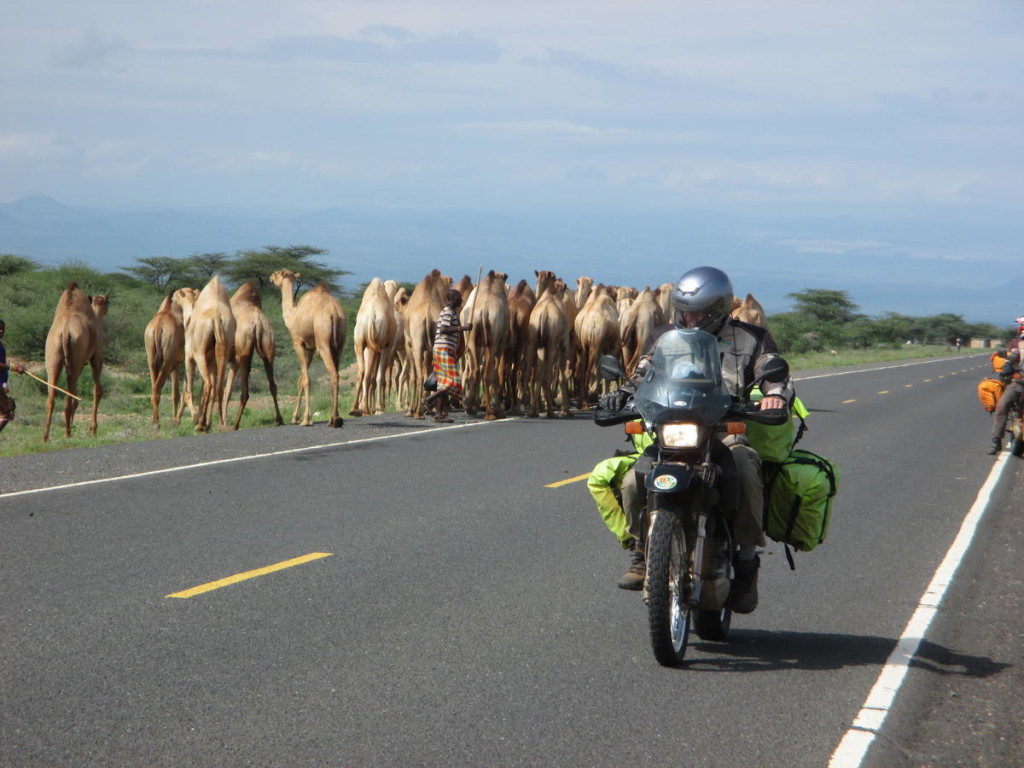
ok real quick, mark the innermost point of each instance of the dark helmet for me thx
(703, 289)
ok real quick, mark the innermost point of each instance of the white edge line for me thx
(855, 743)
(216, 462)
(872, 370)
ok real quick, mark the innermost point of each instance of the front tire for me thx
(668, 613)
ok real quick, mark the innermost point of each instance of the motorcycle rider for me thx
(1011, 375)
(702, 298)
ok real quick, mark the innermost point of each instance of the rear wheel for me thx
(712, 625)
(1017, 431)
(668, 613)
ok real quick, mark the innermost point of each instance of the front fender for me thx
(670, 477)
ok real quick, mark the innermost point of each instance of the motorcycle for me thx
(684, 404)
(1015, 424)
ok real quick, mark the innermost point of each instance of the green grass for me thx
(125, 411)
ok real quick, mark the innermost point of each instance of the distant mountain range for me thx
(765, 258)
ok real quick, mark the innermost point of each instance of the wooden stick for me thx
(44, 381)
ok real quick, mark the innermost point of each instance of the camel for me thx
(597, 329)
(665, 300)
(624, 297)
(76, 337)
(425, 304)
(165, 352)
(548, 346)
(209, 350)
(374, 338)
(545, 279)
(584, 285)
(637, 325)
(749, 310)
(317, 325)
(486, 346)
(253, 336)
(398, 365)
(520, 304)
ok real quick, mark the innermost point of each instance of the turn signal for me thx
(737, 427)
(634, 427)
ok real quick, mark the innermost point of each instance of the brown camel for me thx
(425, 304)
(374, 338)
(76, 337)
(165, 352)
(665, 300)
(636, 325)
(253, 336)
(548, 347)
(317, 325)
(210, 351)
(597, 328)
(520, 304)
(584, 285)
(749, 310)
(487, 346)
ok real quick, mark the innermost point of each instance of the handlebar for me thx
(605, 418)
(771, 417)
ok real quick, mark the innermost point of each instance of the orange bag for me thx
(989, 392)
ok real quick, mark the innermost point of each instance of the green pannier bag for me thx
(798, 500)
(775, 442)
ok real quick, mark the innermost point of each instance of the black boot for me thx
(743, 595)
(997, 445)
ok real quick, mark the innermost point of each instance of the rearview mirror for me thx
(609, 368)
(775, 370)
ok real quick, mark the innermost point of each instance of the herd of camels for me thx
(529, 345)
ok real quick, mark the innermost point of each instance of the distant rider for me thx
(1011, 374)
(7, 406)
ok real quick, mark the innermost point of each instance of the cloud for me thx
(383, 43)
(92, 51)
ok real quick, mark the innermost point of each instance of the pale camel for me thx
(209, 350)
(76, 337)
(317, 325)
(545, 278)
(486, 346)
(665, 300)
(374, 339)
(425, 304)
(749, 310)
(254, 335)
(185, 299)
(398, 366)
(636, 327)
(548, 346)
(165, 352)
(584, 285)
(521, 301)
(597, 328)
(624, 296)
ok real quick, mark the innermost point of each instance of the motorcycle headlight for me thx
(679, 435)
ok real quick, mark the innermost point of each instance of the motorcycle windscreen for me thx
(684, 382)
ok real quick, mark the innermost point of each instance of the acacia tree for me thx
(164, 272)
(259, 265)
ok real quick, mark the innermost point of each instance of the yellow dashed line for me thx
(884, 392)
(907, 386)
(560, 483)
(209, 587)
(848, 401)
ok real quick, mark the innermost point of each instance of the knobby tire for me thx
(666, 574)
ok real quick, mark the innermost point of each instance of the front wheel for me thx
(1017, 432)
(668, 613)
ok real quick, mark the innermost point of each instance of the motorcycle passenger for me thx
(702, 298)
(1011, 375)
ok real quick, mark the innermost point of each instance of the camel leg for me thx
(70, 403)
(304, 355)
(175, 396)
(97, 393)
(157, 378)
(51, 396)
(244, 366)
(268, 368)
(332, 359)
(359, 402)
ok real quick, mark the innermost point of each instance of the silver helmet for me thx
(703, 289)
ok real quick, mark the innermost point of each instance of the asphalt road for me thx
(455, 609)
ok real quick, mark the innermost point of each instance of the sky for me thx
(904, 117)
